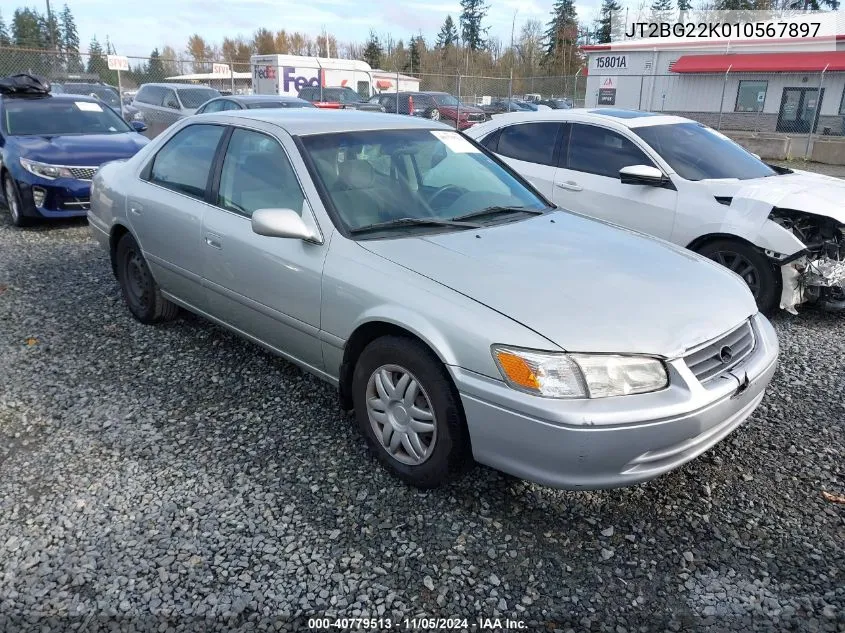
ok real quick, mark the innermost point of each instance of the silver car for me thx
(460, 316)
(161, 105)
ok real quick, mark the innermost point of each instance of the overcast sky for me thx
(137, 28)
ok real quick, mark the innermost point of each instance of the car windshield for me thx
(381, 176)
(445, 100)
(53, 117)
(697, 152)
(195, 97)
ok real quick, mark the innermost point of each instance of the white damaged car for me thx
(781, 230)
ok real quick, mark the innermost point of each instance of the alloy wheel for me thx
(401, 415)
(741, 266)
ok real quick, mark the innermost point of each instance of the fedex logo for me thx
(264, 72)
(299, 81)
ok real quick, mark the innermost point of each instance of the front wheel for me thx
(140, 290)
(756, 270)
(13, 201)
(408, 410)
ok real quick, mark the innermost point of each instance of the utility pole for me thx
(50, 25)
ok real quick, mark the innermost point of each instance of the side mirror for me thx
(139, 126)
(642, 175)
(281, 223)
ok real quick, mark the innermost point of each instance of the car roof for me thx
(173, 85)
(308, 121)
(625, 118)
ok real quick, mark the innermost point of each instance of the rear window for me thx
(195, 97)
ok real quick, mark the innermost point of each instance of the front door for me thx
(266, 287)
(588, 182)
(799, 110)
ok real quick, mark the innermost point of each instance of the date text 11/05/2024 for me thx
(417, 624)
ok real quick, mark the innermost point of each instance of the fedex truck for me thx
(288, 74)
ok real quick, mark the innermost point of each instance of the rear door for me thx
(266, 287)
(165, 208)
(588, 182)
(532, 149)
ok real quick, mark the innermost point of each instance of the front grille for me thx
(716, 357)
(83, 173)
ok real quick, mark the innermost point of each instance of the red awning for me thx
(761, 62)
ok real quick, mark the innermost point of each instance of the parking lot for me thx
(177, 476)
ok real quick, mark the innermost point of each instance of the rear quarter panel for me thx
(108, 201)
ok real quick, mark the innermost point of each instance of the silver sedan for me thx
(459, 314)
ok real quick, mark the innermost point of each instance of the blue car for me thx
(52, 145)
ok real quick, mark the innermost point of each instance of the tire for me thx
(433, 114)
(140, 290)
(754, 267)
(13, 202)
(435, 403)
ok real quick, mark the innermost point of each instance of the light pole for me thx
(513, 60)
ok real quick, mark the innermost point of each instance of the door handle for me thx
(569, 185)
(135, 209)
(214, 241)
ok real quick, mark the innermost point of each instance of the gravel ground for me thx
(178, 478)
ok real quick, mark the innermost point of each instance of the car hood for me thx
(85, 149)
(584, 285)
(465, 109)
(801, 191)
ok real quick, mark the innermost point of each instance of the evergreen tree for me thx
(5, 40)
(70, 40)
(26, 29)
(155, 67)
(684, 6)
(97, 63)
(373, 51)
(472, 14)
(604, 25)
(414, 47)
(661, 10)
(448, 35)
(562, 37)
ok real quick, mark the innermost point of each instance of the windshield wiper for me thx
(500, 210)
(413, 222)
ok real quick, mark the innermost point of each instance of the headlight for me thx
(51, 172)
(558, 375)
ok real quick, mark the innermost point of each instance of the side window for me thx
(184, 163)
(531, 142)
(596, 150)
(152, 95)
(143, 94)
(213, 106)
(491, 141)
(170, 100)
(230, 105)
(257, 175)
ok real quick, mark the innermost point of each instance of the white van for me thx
(288, 74)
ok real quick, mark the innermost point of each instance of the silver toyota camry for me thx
(459, 314)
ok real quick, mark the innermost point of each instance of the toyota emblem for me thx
(726, 354)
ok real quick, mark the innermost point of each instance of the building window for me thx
(751, 96)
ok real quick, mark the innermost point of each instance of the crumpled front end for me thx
(816, 274)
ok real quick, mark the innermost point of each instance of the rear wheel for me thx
(140, 290)
(746, 261)
(13, 201)
(408, 411)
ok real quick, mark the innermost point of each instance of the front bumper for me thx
(612, 442)
(64, 197)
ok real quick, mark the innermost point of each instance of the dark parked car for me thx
(557, 104)
(500, 106)
(252, 102)
(52, 145)
(438, 106)
(342, 98)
